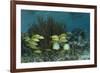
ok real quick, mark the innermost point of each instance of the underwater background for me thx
(76, 19)
(54, 36)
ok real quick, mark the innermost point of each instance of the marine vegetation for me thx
(48, 40)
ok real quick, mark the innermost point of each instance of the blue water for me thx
(71, 19)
